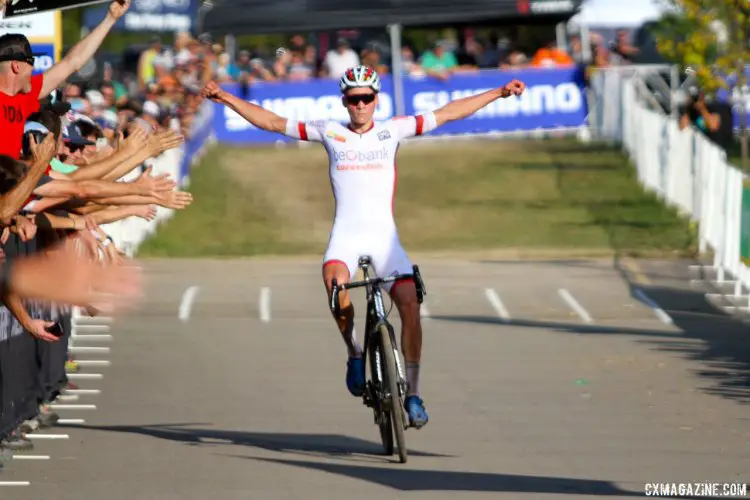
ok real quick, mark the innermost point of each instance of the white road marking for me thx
(660, 313)
(92, 338)
(494, 299)
(72, 407)
(93, 362)
(90, 328)
(573, 304)
(265, 304)
(15, 483)
(47, 436)
(89, 376)
(30, 457)
(91, 320)
(71, 421)
(89, 349)
(186, 304)
(82, 391)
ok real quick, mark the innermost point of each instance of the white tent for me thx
(627, 14)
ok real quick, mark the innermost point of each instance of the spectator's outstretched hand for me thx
(136, 141)
(176, 200)
(164, 141)
(145, 212)
(62, 275)
(153, 186)
(24, 228)
(118, 8)
(212, 91)
(44, 151)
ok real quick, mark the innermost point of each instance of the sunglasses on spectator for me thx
(353, 100)
(18, 57)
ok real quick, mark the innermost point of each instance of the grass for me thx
(451, 196)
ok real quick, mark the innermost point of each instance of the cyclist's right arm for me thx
(258, 116)
(264, 119)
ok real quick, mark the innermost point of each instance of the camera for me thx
(26, 141)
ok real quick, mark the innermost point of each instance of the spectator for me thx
(622, 52)
(551, 56)
(339, 60)
(146, 70)
(438, 61)
(516, 59)
(371, 57)
(712, 119)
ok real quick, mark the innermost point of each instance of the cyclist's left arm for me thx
(462, 108)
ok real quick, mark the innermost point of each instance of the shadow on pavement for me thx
(330, 445)
(403, 479)
(719, 342)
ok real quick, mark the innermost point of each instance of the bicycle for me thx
(385, 391)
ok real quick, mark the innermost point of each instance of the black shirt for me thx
(723, 137)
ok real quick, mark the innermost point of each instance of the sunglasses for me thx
(353, 100)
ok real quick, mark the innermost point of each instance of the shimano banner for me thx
(554, 99)
(149, 15)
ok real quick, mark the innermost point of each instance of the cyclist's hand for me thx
(514, 87)
(212, 91)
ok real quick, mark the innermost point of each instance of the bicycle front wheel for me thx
(390, 373)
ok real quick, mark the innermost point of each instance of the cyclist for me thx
(363, 178)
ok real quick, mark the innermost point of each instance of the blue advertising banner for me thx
(149, 15)
(554, 99)
(738, 97)
(43, 62)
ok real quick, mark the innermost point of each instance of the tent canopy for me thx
(283, 16)
(626, 14)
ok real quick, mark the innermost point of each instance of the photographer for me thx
(713, 119)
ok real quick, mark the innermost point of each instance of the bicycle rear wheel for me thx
(390, 373)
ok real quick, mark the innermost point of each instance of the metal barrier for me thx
(683, 168)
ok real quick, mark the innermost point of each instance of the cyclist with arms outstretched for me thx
(363, 178)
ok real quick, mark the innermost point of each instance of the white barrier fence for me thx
(130, 233)
(682, 167)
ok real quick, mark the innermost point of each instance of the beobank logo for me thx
(537, 100)
(327, 107)
(353, 155)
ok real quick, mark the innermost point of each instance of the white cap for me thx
(151, 108)
(95, 98)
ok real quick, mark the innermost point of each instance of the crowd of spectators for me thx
(74, 158)
(300, 60)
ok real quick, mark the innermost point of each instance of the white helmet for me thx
(361, 76)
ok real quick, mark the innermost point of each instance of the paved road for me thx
(246, 399)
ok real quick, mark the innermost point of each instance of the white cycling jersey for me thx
(362, 169)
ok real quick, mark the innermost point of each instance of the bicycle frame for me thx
(376, 315)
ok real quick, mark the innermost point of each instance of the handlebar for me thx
(336, 288)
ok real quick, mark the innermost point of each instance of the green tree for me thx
(713, 38)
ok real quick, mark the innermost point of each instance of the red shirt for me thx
(14, 110)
